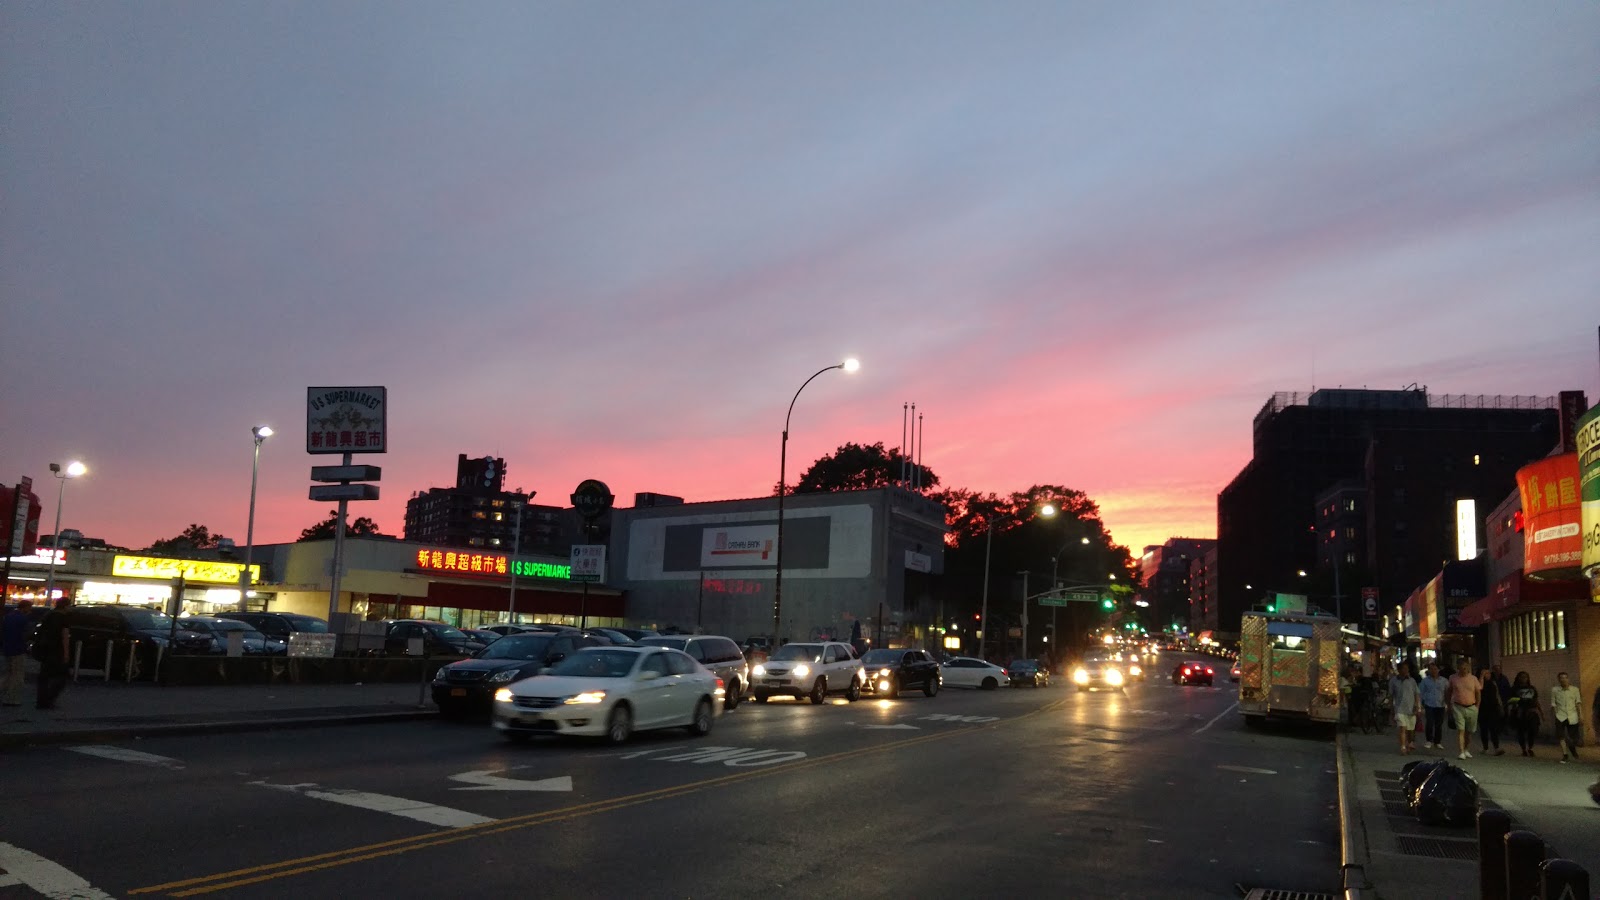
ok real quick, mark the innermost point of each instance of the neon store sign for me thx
(496, 564)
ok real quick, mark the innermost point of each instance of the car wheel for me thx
(931, 688)
(700, 726)
(759, 697)
(620, 726)
(735, 694)
(990, 684)
(854, 693)
(517, 737)
(819, 691)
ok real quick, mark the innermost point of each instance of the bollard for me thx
(107, 677)
(77, 659)
(1560, 879)
(132, 649)
(1524, 853)
(1493, 826)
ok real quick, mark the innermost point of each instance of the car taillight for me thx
(1185, 671)
(1004, 672)
(720, 685)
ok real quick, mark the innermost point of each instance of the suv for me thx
(812, 669)
(891, 671)
(437, 638)
(719, 654)
(278, 625)
(96, 626)
(470, 684)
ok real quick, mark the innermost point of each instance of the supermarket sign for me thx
(494, 565)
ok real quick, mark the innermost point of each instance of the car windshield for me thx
(674, 643)
(594, 662)
(881, 657)
(307, 623)
(798, 653)
(1024, 664)
(146, 618)
(1095, 660)
(517, 646)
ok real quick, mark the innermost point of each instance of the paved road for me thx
(1159, 792)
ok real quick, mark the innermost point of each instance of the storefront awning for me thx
(1517, 593)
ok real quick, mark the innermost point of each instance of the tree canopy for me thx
(324, 530)
(856, 467)
(195, 537)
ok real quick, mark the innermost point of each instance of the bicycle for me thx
(1375, 713)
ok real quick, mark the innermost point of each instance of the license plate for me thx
(458, 692)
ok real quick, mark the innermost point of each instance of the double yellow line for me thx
(221, 881)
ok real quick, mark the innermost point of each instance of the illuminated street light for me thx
(850, 365)
(73, 470)
(259, 433)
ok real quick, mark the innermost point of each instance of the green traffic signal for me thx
(1107, 603)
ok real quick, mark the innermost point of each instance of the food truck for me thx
(1288, 667)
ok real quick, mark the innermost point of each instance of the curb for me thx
(1352, 831)
(96, 735)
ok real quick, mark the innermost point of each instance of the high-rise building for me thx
(1203, 591)
(1406, 455)
(1164, 574)
(479, 512)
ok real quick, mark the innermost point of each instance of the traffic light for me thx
(1108, 603)
(1272, 606)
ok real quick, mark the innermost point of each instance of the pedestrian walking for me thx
(1465, 693)
(1434, 689)
(50, 648)
(1501, 682)
(14, 652)
(1407, 706)
(1491, 713)
(1523, 710)
(1564, 703)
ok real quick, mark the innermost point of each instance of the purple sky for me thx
(611, 240)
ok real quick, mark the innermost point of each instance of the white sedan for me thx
(611, 692)
(965, 671)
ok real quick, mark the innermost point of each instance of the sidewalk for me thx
(1406, 860)
(99, 711)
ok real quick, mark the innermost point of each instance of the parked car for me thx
(1028, 672)
(468, 685)
(812, 670)
(138, 628)
(965, 671)
(1192, 672)
(277, 624)
(719, 654)
(617, 636)
(503, 630)
(1233, 673)
(254, 642)
(637, 634)
(611, 692)
(438, 639)
(891, 671)
(482, 635)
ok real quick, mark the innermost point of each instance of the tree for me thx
(195, 537)
(324, 530)
(856, 467)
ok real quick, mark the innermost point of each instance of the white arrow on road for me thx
(488, 780)
(890, 728)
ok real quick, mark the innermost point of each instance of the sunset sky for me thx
(610, 240)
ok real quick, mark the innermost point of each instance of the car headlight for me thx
(503, 695)
(586, 697)
(759, 671)
(1081, 676)
(802, 671)
(1113, 676)
(883, 673)
(504, 675)
(442, 674)
(1135, 671)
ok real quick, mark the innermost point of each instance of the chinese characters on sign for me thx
(190, 569)
(588, 562)
(1552, 534)
(347, 420)
(495, 564)
(732, 586)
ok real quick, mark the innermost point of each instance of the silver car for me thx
(719, 654)
(1100, 672)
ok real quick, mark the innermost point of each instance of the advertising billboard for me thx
(1552, 529)
(347, 420)
(1588, 462)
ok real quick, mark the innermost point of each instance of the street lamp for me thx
(1048, 511)
(849, 365)
(1054, 559)
(260, 433)
(73, 470)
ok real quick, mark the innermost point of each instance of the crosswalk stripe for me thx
(432, 814)
(122, 754)
(42, 875)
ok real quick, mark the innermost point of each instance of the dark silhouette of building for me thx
(479, 512)
(1405, 455)
(1165, 573)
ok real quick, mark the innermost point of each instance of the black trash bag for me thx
(1413, 774)
(1449, 797)
(1594, 792)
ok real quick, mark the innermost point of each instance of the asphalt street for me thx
(1156, 792)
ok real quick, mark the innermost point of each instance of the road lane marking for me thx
(411, 809)
(122, 754)
(206, 884)
(890, 728)
(1218, 716)
(728, 756)
(970, 720)
(1249, 770)
(45, 877)
(491, 780)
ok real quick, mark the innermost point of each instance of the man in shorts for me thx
(1407, 702)
(1465, 693)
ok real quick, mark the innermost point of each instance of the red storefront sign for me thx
(1552, 527)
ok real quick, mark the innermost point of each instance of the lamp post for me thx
(1054, 634)
(849, 365)
(73, 470)
(1048, 511)
(260, 433)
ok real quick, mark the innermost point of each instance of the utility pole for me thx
(1024, 653)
